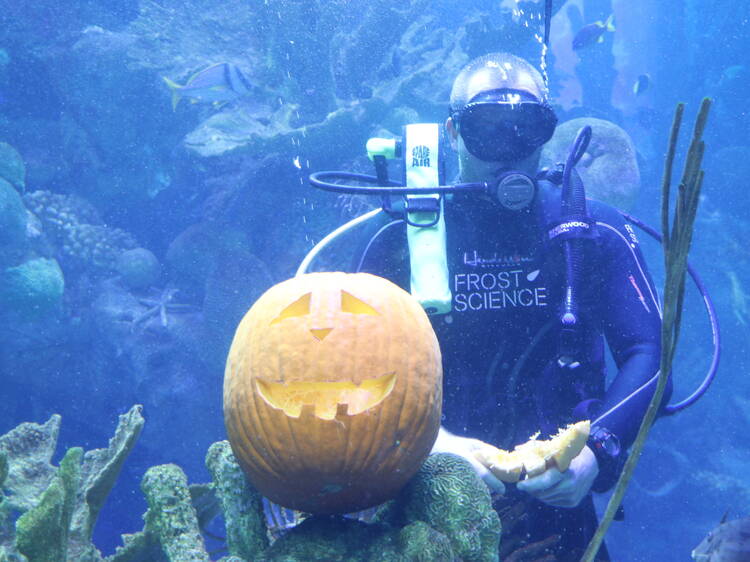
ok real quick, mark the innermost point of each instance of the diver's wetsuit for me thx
(500, 343)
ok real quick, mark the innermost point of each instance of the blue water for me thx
(219, 197)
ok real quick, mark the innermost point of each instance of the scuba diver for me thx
(517, 357)
(539, 279)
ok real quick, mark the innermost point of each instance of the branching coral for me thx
(58, 507)
(443, 514)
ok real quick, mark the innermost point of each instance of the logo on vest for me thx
(498, 290)
(420, 157)
(475, 260)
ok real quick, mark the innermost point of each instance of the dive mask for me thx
(504, 125)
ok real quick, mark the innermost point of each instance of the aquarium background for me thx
(150, 231)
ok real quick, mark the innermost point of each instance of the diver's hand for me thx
(564, 489)
(465, 447)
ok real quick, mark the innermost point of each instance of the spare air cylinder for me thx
(421, 150)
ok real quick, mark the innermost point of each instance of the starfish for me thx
(161, 305)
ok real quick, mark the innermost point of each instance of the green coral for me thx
(448, 495)
(58, 506)
(171, 516)
(241, 503)
(33, 289)
(334, 538)
(101, 467)
(419, 542)
(443, 514)
(42, 532)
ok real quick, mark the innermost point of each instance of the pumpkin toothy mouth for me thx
(326, 399)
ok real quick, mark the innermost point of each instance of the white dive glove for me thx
(567, 488)
(465, 447)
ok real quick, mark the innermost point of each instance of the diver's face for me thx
(472, 169)
(488, 79)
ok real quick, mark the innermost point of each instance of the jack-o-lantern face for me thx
(332, 392)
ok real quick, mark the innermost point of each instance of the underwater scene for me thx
(293, 280)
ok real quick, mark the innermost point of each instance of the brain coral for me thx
(447, 494)
(608, 168)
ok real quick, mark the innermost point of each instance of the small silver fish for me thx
(641, 84)
(593, 33)
(729, 542)
(280, 519)
(219, 83)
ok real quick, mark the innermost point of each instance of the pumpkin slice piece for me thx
(505, 465)
(535, 456)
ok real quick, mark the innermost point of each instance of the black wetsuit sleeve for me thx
(631, 322)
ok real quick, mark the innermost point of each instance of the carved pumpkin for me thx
(333, 391)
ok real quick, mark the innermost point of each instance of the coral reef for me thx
(444, 513)
(240, 503)
(58, 507)
(42, 532)
(82, 241)
(339, 540)
(171, 517)
(470, 523)
(138, 268)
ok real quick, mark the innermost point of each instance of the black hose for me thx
(670, 409)
(322, 180)
(573, 208)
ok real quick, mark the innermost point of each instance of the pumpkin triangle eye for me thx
(350, 303)
(300, 307)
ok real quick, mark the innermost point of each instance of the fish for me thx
(219, 83)
(592, 33)
(642, 84)
(280, 519)
(729, 542)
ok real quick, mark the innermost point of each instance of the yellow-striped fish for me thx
(218, 84)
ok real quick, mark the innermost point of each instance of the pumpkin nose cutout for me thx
(320, 333)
